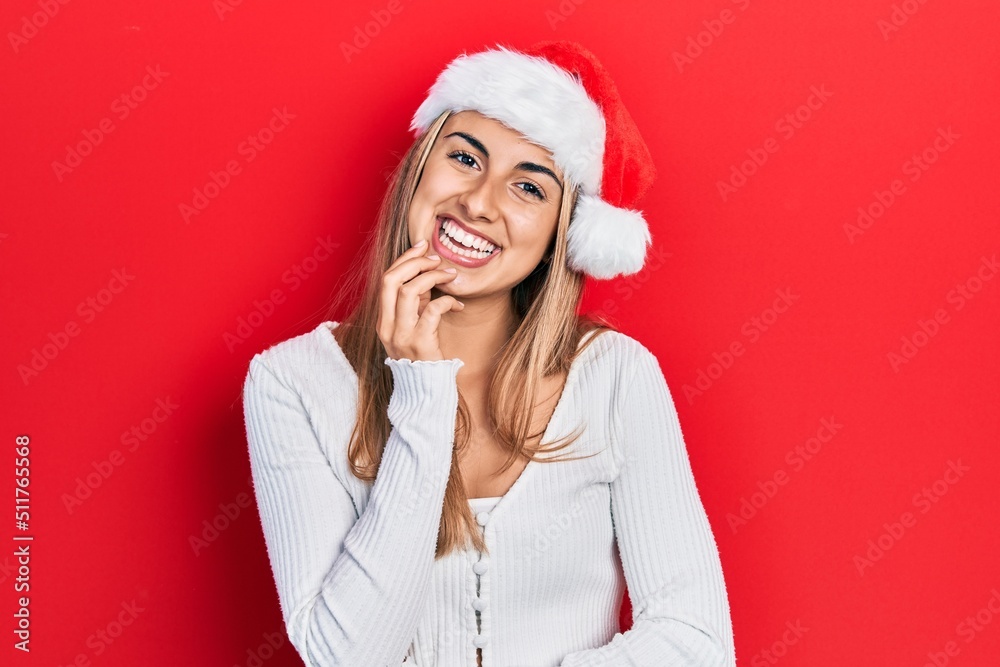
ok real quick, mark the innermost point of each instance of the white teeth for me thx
(461, 250)
(468, 240)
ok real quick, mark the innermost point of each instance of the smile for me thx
(461, 247)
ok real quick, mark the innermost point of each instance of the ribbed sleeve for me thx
(671, 562)
(352, 588)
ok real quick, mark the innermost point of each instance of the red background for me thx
(162, 337)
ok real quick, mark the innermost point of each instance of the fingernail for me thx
(420, 243)
(451, 269)
(433, 257)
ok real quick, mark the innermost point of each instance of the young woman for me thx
(463, 471)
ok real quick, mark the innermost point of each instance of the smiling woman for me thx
(407, 509)
(463, 188)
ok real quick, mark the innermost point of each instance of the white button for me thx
(478, 604)
(480, 567)
(479, 641)
(482, 518)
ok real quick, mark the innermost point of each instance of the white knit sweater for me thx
(354, 563)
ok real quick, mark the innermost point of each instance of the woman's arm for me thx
(352, 589)
(680, 610)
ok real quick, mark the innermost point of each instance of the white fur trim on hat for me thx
(606, 241)
(522, 91)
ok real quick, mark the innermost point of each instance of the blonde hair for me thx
(545, 342)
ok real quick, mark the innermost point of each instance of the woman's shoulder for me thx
(305, 358)
(613, 347)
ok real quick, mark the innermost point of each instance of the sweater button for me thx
(479, 641)
(480, 567)
(482, 518)
(478, 604)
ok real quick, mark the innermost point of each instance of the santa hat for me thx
(560, 97)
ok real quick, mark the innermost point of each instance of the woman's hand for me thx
(408, 318)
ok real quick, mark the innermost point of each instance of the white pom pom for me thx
(606, 241)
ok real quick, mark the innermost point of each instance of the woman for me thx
(412, 511)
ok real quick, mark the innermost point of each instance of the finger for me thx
(411, 266)
(403, 269)
(430, 319)
(409, 253)
(408, 269)
(394, 279)
(414, 296)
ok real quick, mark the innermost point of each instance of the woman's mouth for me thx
(460, 247)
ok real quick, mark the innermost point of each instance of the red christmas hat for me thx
(559, 96)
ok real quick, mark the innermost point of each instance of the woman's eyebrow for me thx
(476, 143)
(537, 168)
(522, 166)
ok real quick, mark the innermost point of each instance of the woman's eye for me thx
(458, 155)
(533, 190)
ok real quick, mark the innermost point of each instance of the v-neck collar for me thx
(325, 330)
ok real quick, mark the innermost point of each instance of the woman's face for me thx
(485, 179)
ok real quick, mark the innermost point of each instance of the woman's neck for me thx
(476, 334)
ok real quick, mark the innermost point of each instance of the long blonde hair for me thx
(545, 342)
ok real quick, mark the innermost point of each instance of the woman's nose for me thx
(480, 199)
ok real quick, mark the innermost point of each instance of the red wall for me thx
(822, 296)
